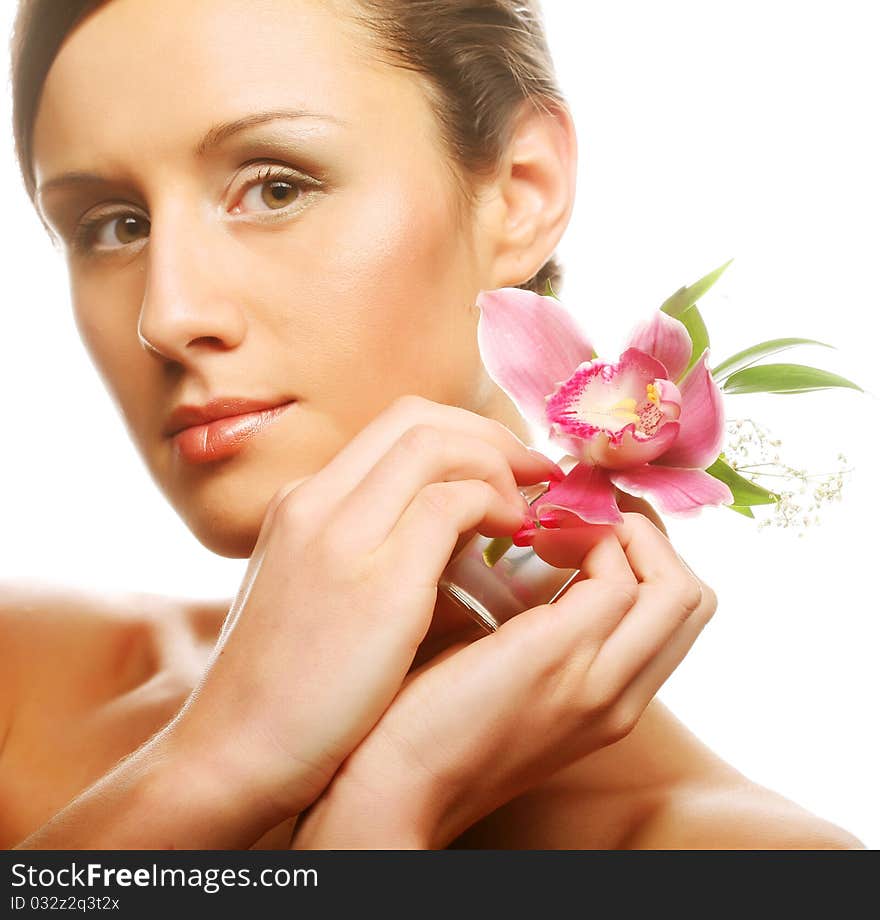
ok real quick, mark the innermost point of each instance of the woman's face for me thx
(317, 257)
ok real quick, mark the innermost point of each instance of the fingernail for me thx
(526, 533)
(556, 472)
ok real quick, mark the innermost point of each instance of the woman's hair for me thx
(479, 61)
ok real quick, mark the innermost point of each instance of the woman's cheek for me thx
(385, 284)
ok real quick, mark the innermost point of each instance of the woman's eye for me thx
(109, 231)
(272, 189)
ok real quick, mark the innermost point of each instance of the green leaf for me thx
(745, 492)
(684, 298)
(750, 356)
(693, 322)
(784, 378)
(549, 292)
(742, 509)
(495, 549)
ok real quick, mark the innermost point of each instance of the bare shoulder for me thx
(56, 635)
(658, 788)
(34, 616)
(34, 611)
(31, 609)
(28, 604)
(727, 814)
(85, 677)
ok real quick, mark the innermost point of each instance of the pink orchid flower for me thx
(641, 424)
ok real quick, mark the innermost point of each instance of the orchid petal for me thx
(600, 396)
(666, 339)
(529, 344)
(637, 368)
(674, 491)
(669, 398)
(701, 436)
(571, 444)
(586, 492)
(631, 448)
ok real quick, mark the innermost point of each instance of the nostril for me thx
(212, 340)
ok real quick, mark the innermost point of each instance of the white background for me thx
(706, 131)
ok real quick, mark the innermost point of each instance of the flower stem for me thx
(495, 549)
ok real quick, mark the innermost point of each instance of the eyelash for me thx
(84, 235)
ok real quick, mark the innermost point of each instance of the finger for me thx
(594, 549)
(597, 598)
(607, 560)
(256, 557)
(600, 607)
(668, 595)
(661, 609)
(349, 466)
(645, 547)
(426, 661)
(421, 456)
(567, 547)
(627, 502)
(247, 582)
(606, 603)
(424, 537)
(645, 686)
(649, 552)
(575, 625)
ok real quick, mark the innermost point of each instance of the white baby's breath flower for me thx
(751, 451)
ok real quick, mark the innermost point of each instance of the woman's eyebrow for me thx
(220, 132)
(215, 136)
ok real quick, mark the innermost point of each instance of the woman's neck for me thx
(499, 406)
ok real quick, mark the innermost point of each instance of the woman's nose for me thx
(187, 303)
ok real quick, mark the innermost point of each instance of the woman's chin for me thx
(225, 532)
(223, 511)
(234, 545)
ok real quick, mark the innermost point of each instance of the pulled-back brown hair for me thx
(480, 61)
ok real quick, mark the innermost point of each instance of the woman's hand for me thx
(340, 591)
(482, 722)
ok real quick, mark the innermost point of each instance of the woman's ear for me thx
(529, 202)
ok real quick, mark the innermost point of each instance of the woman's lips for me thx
(224, 436)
